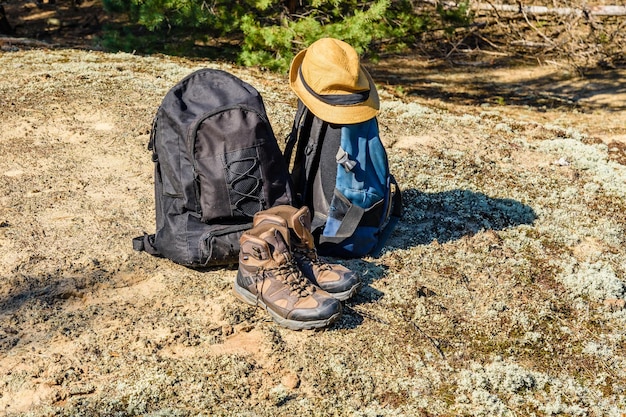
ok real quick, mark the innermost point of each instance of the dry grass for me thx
(500, 293)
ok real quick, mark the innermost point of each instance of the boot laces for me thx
(290, 275)
(310, 256)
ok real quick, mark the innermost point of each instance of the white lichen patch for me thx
(606, 174)
(499, 387)
(597, 281)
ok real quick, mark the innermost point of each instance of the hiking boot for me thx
(337, 280)
(269, 276)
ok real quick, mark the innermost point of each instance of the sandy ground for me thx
(501, 292)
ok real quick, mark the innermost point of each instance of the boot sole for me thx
(343, 296)
(249, 298)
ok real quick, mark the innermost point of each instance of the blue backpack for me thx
(341, 172)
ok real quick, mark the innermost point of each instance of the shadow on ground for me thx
(450, 215)
(543, 90)
(42, 296)
(441, 217)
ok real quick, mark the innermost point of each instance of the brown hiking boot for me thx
(337, 280)
(268, 276)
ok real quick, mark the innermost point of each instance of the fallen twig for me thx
(430, 339)
(608, 10)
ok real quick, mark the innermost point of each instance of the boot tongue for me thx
(302, 226)
(278, 241)
(279, 246)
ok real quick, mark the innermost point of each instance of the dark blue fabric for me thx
(363, 182)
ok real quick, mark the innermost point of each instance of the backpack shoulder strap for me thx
(304, 139)
(292, 139)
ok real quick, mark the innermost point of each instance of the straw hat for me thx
(330, 81)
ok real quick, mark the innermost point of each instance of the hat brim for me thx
(350, 114)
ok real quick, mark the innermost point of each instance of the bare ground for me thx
(502, 291)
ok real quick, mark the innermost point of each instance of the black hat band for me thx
(336, 99)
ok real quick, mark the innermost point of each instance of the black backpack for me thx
(217, 163)
(341, 172)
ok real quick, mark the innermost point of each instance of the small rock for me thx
(615, 304)
(561, 162)
(290, 381)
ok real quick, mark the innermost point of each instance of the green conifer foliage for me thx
(270, 32)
